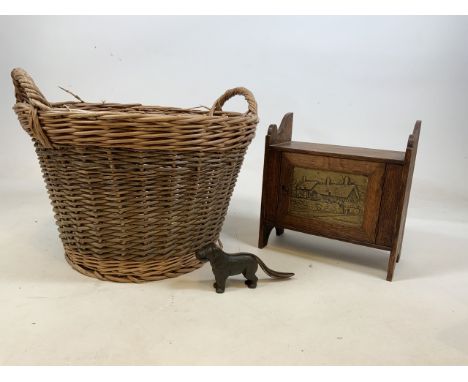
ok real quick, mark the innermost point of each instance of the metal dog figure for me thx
(225, 264)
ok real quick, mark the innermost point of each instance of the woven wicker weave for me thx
(135, 189)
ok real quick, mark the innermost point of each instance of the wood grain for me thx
(357, 153)
(407, 179)
(271, 178)
(389, 205)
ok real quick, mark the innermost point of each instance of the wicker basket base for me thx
(129, 271)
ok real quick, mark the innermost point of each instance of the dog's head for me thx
(207, 252)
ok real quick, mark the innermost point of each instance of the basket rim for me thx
(69, 108)
(134, 126)
(26, 91)
(165, 114)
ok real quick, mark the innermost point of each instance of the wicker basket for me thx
(136, 190)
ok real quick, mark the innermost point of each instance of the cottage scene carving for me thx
(330, 196)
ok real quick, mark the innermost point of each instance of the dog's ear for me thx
(202, 252)
(198, 254)
(214, 249)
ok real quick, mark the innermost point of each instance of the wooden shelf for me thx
(354, 194)
(358, 153)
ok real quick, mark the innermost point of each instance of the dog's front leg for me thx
(220, 283)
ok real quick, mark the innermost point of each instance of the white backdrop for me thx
(360, 81)
(349, 80)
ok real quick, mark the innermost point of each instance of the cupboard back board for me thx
(351, 194)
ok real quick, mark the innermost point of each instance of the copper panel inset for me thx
(329, 196)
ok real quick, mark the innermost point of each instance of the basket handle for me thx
(26, 90)
(217, 106)
(30, 97)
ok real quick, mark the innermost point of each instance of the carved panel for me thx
(330, 196)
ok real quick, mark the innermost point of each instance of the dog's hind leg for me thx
(252, 279)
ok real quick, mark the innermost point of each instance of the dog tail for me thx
(271, 272)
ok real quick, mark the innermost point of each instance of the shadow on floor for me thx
(426, 251)
(244, 228)
(233, 283)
